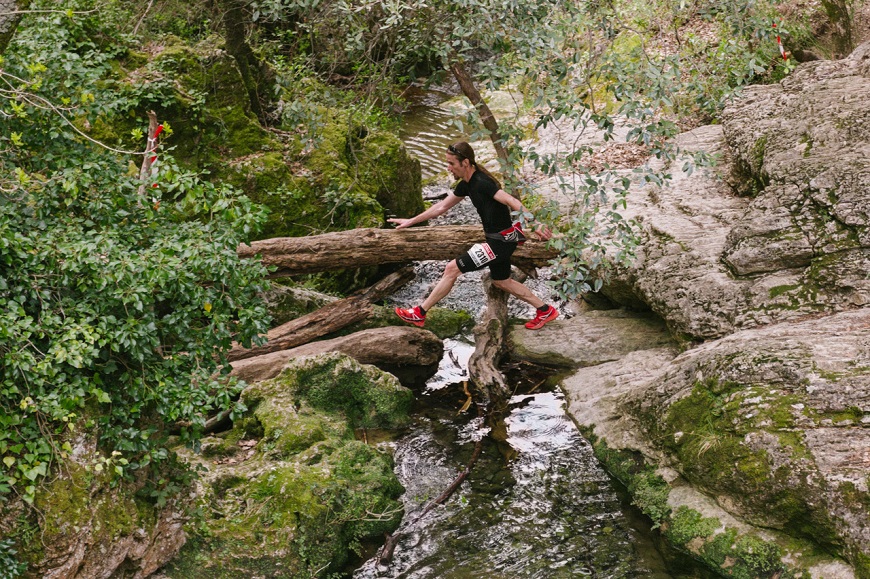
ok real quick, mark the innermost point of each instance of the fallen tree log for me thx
(365, 247)
(330, 318)
(386, 348)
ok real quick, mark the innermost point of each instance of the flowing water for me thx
(428, 129)
(536, 505)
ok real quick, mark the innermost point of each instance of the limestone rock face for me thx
(590, 338)
(714, 260)
(759, 430)
(771, 422)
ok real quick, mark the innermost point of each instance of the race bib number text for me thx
(481, 254)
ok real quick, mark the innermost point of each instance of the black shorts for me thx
(493, 254)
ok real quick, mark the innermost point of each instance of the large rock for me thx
(86, 523)
(290, 492)
(589, 338)
(713, 261)
(771, 422)
(751, 450)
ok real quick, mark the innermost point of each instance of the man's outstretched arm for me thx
(439, 208)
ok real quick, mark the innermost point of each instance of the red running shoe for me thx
(412, 316)
(542, 318)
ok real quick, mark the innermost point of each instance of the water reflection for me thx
(427, 128)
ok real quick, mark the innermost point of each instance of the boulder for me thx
(771, 422)
(781, 229)
(289, 491)
(85, 522)
(589, 338)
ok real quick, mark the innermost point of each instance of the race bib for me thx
(481, 254)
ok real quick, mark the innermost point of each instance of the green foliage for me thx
(116, 307)
(590, 66)
(10, 567)
(686, 524)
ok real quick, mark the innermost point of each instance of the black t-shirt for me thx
(495, 216)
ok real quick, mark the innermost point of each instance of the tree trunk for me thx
(466, 83)
(840, 13)
(363, 247)
(256, 75)
(489, 347)
(326, 320)
(11, 12)
(391, 349)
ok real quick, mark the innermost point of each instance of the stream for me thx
(537, 503)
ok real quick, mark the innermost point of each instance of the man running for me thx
(502, 237)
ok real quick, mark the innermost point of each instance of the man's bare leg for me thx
(518, 290)
(444, 285)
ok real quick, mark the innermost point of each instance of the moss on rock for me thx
(291, 493)
(649, 490)
(336, 383)
(442, 322)
(713, 433)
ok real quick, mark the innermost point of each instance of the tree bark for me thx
(11, 12)
(489, 348)
(386, 348)
(326, 320)
(466, 83)
(363, 247)
(256, 74)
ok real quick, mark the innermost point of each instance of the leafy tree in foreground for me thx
(115, 308)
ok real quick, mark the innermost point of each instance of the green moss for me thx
(686, 524)
(649, 491)
(66, 504)
(299, 502)
(287, 434)
(718, 548)
(777, 291)
(707, 431)
(861, 562)
(442, 322)
(368, 397)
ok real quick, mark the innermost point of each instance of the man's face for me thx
(456, 166)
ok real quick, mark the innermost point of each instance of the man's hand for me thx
(400, 222)
(543, 232)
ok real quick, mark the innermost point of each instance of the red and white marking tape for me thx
(779, 42)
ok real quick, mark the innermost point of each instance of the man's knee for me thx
(452, 270)
(501, 284)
